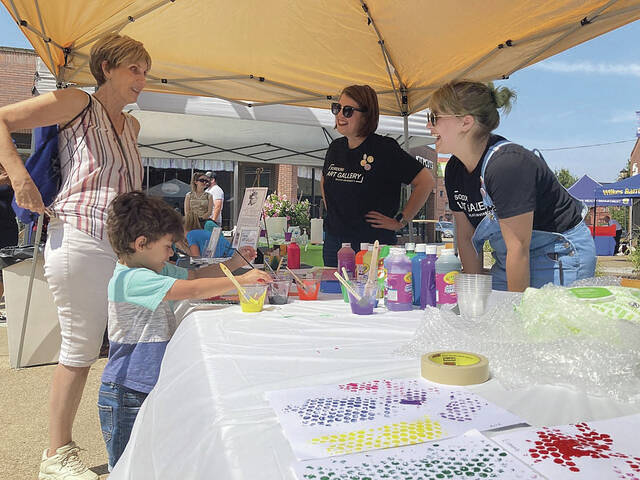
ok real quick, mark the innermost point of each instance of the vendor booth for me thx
(627, 189)
(586, 189)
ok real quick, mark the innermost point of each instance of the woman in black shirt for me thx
(504, 193)
(362, 178)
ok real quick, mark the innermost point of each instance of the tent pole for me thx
(147, 175)
(236, 193)
(595, 211)
(405, 124)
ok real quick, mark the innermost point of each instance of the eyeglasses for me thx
(202, 180)
(433, 117)
(347, 110)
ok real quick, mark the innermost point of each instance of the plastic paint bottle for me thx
(410, 248)
(398, 290)
(428, 278)
(447, 267)
(346, 260)
(361, 267)
(416, 272)
(382, 271)
(293, 255)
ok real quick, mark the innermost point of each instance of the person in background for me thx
(218, 198)
(141, 230)
(198, 238)
(362, 178)
(198, 200)
(99, 159)
(504, 193)
(609, 221)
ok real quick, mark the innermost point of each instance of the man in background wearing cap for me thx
(218, 198)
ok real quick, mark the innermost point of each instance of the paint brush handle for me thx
(243, 257)
(347, 286)
(235, 282)
(297, 279)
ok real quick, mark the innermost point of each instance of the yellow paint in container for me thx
(254, 301)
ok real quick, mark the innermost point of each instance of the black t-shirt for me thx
(368, 177)
(518, 181)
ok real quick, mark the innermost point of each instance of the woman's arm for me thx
(210, 206)
(186, 203)
(52, 108)
(324, 200)
(472, 262)
(516, 232)
(194, 250)
(422, 184)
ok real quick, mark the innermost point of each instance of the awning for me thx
(305, 52)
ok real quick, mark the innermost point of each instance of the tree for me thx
(564, 177)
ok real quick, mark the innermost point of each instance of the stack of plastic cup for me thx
(473, 292)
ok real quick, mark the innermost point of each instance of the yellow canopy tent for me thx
(305, 52)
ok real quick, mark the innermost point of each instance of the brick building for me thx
(17, 75)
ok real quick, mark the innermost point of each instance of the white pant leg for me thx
(78, 268)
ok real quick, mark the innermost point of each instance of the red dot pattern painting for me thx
(606, 449)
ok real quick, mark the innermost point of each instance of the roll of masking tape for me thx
(455, 368)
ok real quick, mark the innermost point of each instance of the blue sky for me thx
(584, 96)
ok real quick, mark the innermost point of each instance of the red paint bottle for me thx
(293, 255)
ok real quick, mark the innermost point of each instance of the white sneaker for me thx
(65, 465)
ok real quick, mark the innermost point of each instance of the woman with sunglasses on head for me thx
(362, 178)
(198, 200)
(501, 192)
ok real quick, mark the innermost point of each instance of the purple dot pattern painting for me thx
(462, 407)
(378, 399)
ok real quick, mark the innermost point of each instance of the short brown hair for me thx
(366, 98)
(134, 214)
(115, 50)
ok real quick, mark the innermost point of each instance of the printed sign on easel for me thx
(248, 225)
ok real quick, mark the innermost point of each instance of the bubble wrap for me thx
(547, 336)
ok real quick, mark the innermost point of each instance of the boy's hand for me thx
(254, 276)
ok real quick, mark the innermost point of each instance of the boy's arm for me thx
(210, 287)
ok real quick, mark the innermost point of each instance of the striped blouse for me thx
(94, 169)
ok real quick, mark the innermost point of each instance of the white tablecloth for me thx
(208, 418)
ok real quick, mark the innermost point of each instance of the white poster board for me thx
(248, 225)
(213, 242)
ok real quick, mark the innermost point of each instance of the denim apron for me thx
(558, 258)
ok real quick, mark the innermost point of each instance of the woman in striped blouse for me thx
(99, 160)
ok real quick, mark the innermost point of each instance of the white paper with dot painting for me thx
(354, 417)
(469, 456)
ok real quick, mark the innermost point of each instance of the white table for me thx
(208, 418)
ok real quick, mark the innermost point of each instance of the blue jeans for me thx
(118, 407)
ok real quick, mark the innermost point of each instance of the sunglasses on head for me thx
(347, 110)
(433, 117)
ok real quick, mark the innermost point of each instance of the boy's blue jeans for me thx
(118, 407)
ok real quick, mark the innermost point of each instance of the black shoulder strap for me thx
(81, 112)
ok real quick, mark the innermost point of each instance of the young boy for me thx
(141, 230)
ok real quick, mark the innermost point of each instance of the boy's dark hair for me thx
(134, 214)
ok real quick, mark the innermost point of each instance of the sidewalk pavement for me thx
(24, 416)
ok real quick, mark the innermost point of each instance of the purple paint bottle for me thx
(398, 289)
(428, 278)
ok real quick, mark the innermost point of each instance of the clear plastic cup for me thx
(255, 298)
(278, 292)
(367, 303)
(473, 291)
(310, 290)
